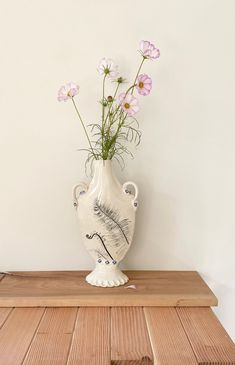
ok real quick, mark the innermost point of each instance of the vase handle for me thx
(78, 190)
(126, 191)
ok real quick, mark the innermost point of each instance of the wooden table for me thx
(56, 318)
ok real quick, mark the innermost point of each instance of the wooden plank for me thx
(145, 361)
(91, 339)
(1, 276)
(208, 338)
(129, 337)
(4, 313)
(63, 289)
(169, 341)
(17, 333)
(53, 338)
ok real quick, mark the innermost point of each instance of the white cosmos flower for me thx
(107, 67)
(129, 103)
(67, 91)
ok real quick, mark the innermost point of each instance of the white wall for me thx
(185, 165)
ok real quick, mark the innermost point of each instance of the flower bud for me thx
(120, 80)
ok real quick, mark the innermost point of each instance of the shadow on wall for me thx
(168, 246)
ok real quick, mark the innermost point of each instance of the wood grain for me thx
(59, 289)
(129, 336)
(52, 341)
(1, 276)
(91, 339)
(209, 340)
(4, 313)
(169, 341)
(17, 333)
(145, 361)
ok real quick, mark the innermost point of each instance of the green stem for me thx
(102, 119)
(138, 73)
(111, 104)
(118, 107)
(80, 118)
(103, 98)
(122, 119)
(104, 153)
(131, 87)
(115, 93)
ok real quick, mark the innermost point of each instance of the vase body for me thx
(106, 214)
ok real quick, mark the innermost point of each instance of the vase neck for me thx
(103, 173)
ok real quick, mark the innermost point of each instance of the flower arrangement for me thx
(118, 124)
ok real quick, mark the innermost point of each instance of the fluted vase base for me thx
(106, 276)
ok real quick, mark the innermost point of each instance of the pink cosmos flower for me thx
(129, 103)
(107, 67)
(144, 84)
(148, 50)
(67, 91)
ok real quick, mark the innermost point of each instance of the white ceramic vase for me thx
(106, 213)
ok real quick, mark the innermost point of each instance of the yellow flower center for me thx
(127, 105)
(141, 85)
(70, 94)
